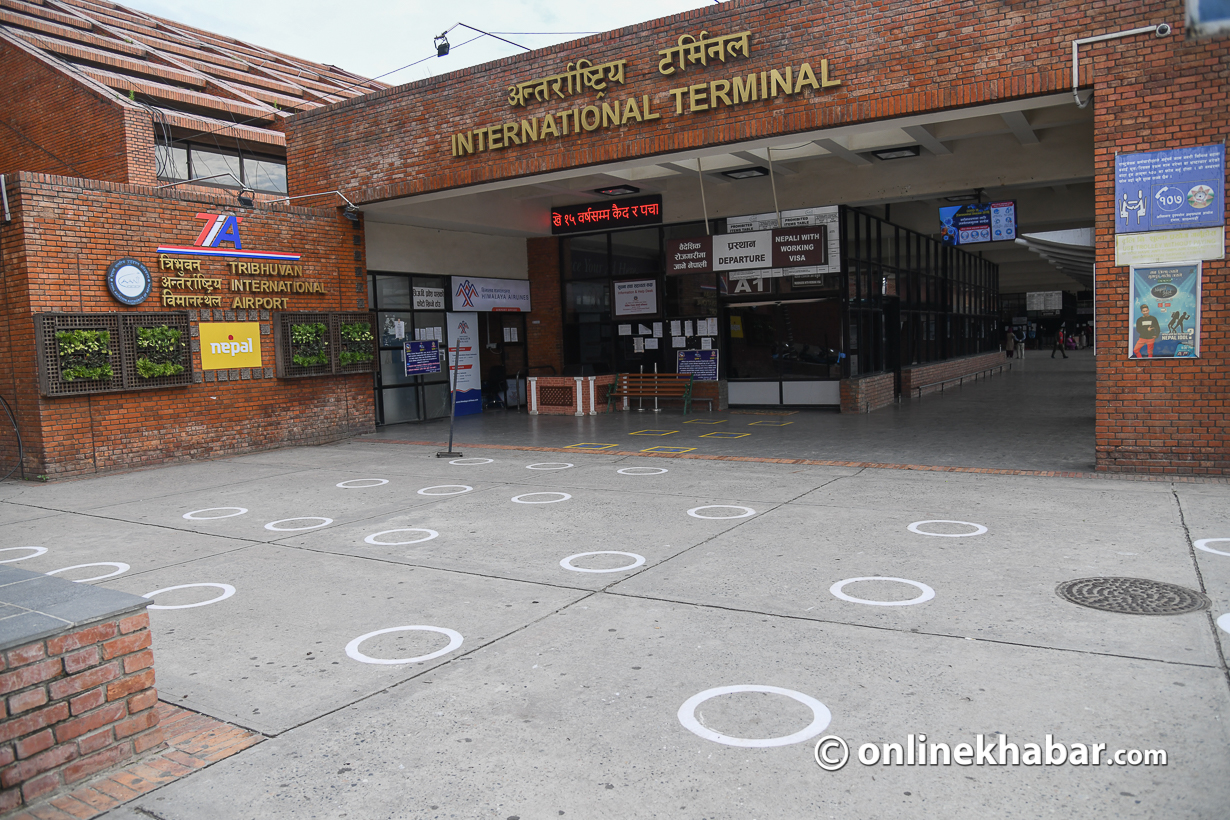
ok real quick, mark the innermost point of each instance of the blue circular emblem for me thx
(129, 281)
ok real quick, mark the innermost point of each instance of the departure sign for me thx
(978, 222)
(627, 213)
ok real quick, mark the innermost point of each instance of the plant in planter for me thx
(356, 343)
(160, 352)
(308, 343)
(84, 354)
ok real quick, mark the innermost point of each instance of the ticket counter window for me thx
(786, 352)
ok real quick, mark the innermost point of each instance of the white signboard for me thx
(743, 250)
(1044, 300)
(636, 298)
(470, 293)
(798, 218)
(429, 298)
(1170, 246)
(463, 361)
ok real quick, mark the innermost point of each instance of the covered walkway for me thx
(1036, 417)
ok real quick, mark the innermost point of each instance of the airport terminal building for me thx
(800, 205)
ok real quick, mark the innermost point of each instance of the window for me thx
(181, 161)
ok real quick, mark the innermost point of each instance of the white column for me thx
(580, 394)
(533, 380)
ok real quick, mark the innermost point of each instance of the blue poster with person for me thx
(1165, 315)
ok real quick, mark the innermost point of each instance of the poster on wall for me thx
(1169, 190)
(1164, 322)
(422, 357)
(463, 362)
(978, 222)
(702, 364)
(636, 298)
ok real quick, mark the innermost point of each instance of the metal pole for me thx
(640, 400)
(453, 359)
(656, 409)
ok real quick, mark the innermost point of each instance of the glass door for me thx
(784, 353)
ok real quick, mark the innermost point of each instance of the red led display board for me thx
(626, 213)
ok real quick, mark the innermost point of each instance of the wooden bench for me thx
(652, 386)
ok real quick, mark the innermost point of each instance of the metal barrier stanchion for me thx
(640, 401)
(656, 409)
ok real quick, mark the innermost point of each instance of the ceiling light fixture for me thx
(747, 173)
(961, 198)
(618, 190)
(897, 153)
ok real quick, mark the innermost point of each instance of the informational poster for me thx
(422, 357)
(1165, 312)
(978, 222)
(499, 295)
(1170, 190)
(625, 330)
(651, 343)
(702, 364)
(636, 298)
(463, 362)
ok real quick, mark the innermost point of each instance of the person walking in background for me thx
(1009, 343)
(1059, 344)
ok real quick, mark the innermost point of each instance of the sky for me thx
(374, 37)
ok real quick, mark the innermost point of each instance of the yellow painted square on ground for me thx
(770, 423)
(587, 445)
(725, 435)
(653, 432)
(669, 450)
(704, 421)
(226, 345)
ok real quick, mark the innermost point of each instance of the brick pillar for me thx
(544, 326)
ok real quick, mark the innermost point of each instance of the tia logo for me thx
(467, 292)
(219, 230)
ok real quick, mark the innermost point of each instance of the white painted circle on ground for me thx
(1203, 544)
(695, 511)
(563, 497)
(467, 462)
(1224, 622)
(927, 592)
(324, 522)
(227, 591)
(120, 569)
(642, 471)
(687, 716)
(371, 539)
(454, 641)
(550, 465)
(353, 484)
(192, 516)
(465, 488)
(978, 528)
(637, 560)
(37, 552)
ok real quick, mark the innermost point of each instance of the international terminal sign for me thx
(571, 117)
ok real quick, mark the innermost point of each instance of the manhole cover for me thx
(1132, 596)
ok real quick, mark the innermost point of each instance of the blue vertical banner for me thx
(1170, 190)
(1165, 315)
(463, 355)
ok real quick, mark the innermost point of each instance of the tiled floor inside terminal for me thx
(526, 634)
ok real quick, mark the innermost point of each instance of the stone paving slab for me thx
(577, 714)
(273, 655)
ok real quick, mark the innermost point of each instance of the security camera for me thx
(1162, 30)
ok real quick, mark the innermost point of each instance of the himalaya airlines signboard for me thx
(498, 295)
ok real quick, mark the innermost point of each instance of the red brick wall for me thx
(1163, 416)
(74, 705)
(866, 393)
(893, 58)
(546, 338)
(64, 236)
(923, 374)
(62, 126)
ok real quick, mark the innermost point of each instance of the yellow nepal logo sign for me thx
(230, 344)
